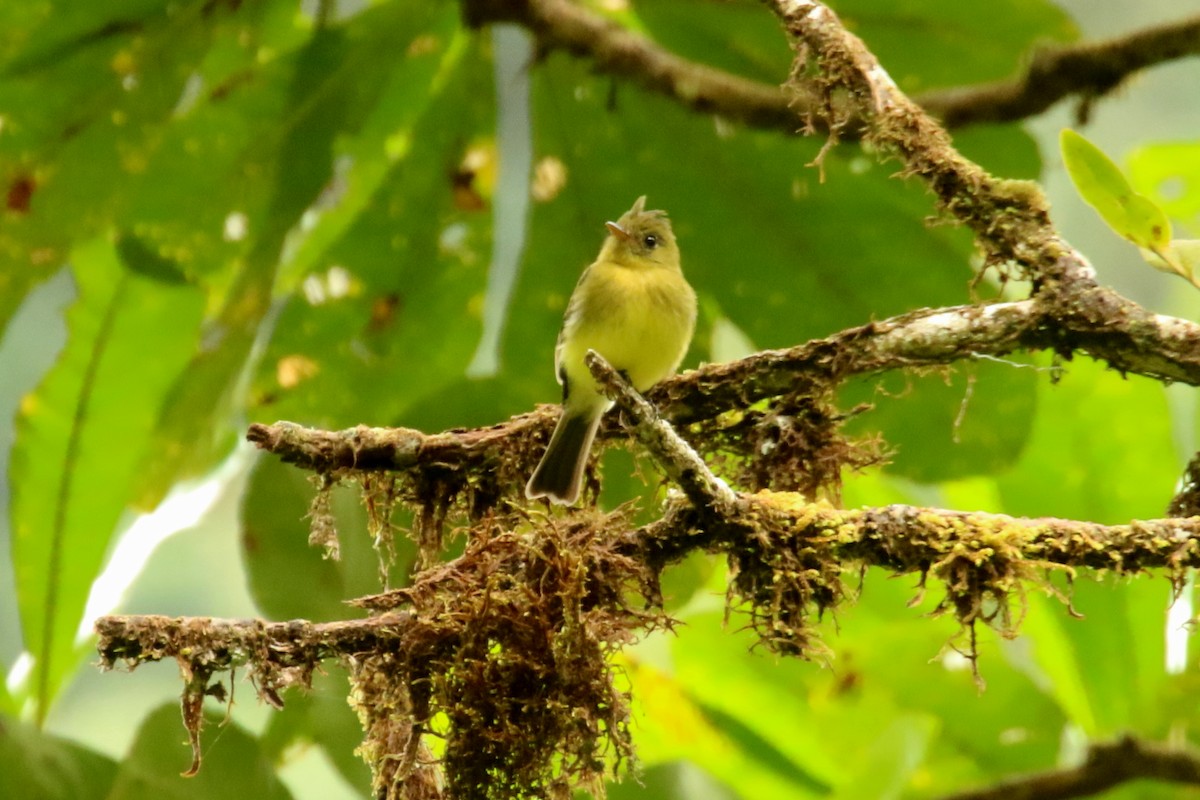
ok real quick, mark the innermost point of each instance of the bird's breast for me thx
(640, 320)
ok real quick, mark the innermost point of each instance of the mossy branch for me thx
(1096, 321)
(1088, 70)
(988, 553)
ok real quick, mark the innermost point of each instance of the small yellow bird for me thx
(632, 306)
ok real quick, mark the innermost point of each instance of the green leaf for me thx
(327, 87)
(1180, 256)
(279, 558)
(974, 421)
(1106, 670)
(80, 437)
(1169, 173)
(894, 755)
(234, 764)
(1102, 185)
(672, 724)
(959, 43)
(86, 90)
(323, 717)
(776, 727)
(415, 259)
(735, 36)
(34, 764)
(1093, 430)
(896, 654)
(678, 780)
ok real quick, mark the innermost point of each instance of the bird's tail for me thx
(560, 472)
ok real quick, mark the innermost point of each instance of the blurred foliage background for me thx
(345, 212)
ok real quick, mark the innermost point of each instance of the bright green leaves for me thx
(81, 437)
(1131, 214)
(275, 524)
(389, 315)
(960, 43)
(1169, 173)
(1179, 256)
(1101, 183)
(34, 764)
(234, 763)
(973, 421)
(84, 102)
(1091, 434)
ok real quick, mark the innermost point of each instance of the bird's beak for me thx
(617, 231)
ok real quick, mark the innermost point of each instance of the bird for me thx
(633, 306)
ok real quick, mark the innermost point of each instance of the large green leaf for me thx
(323, 91)
(889, 645)
(234, 763)
(1093, 431)
(762, 696)
(41, 767)
(86, 95)
(972, 421)
(1107, 669)
(931, 43)
(735, 36)
(1169, 173)
(1101, 183)
(288, 577)
(80, 438)
(323, 717)
(895, 755)
(673, 724)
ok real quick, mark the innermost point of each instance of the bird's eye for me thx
(651, 241)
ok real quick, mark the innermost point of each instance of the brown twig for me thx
(1107, 764)
(678, 460)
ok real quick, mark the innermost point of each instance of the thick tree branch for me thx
(1107, 327)
(1107, 764)
(900, 538)
(1089, 70)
